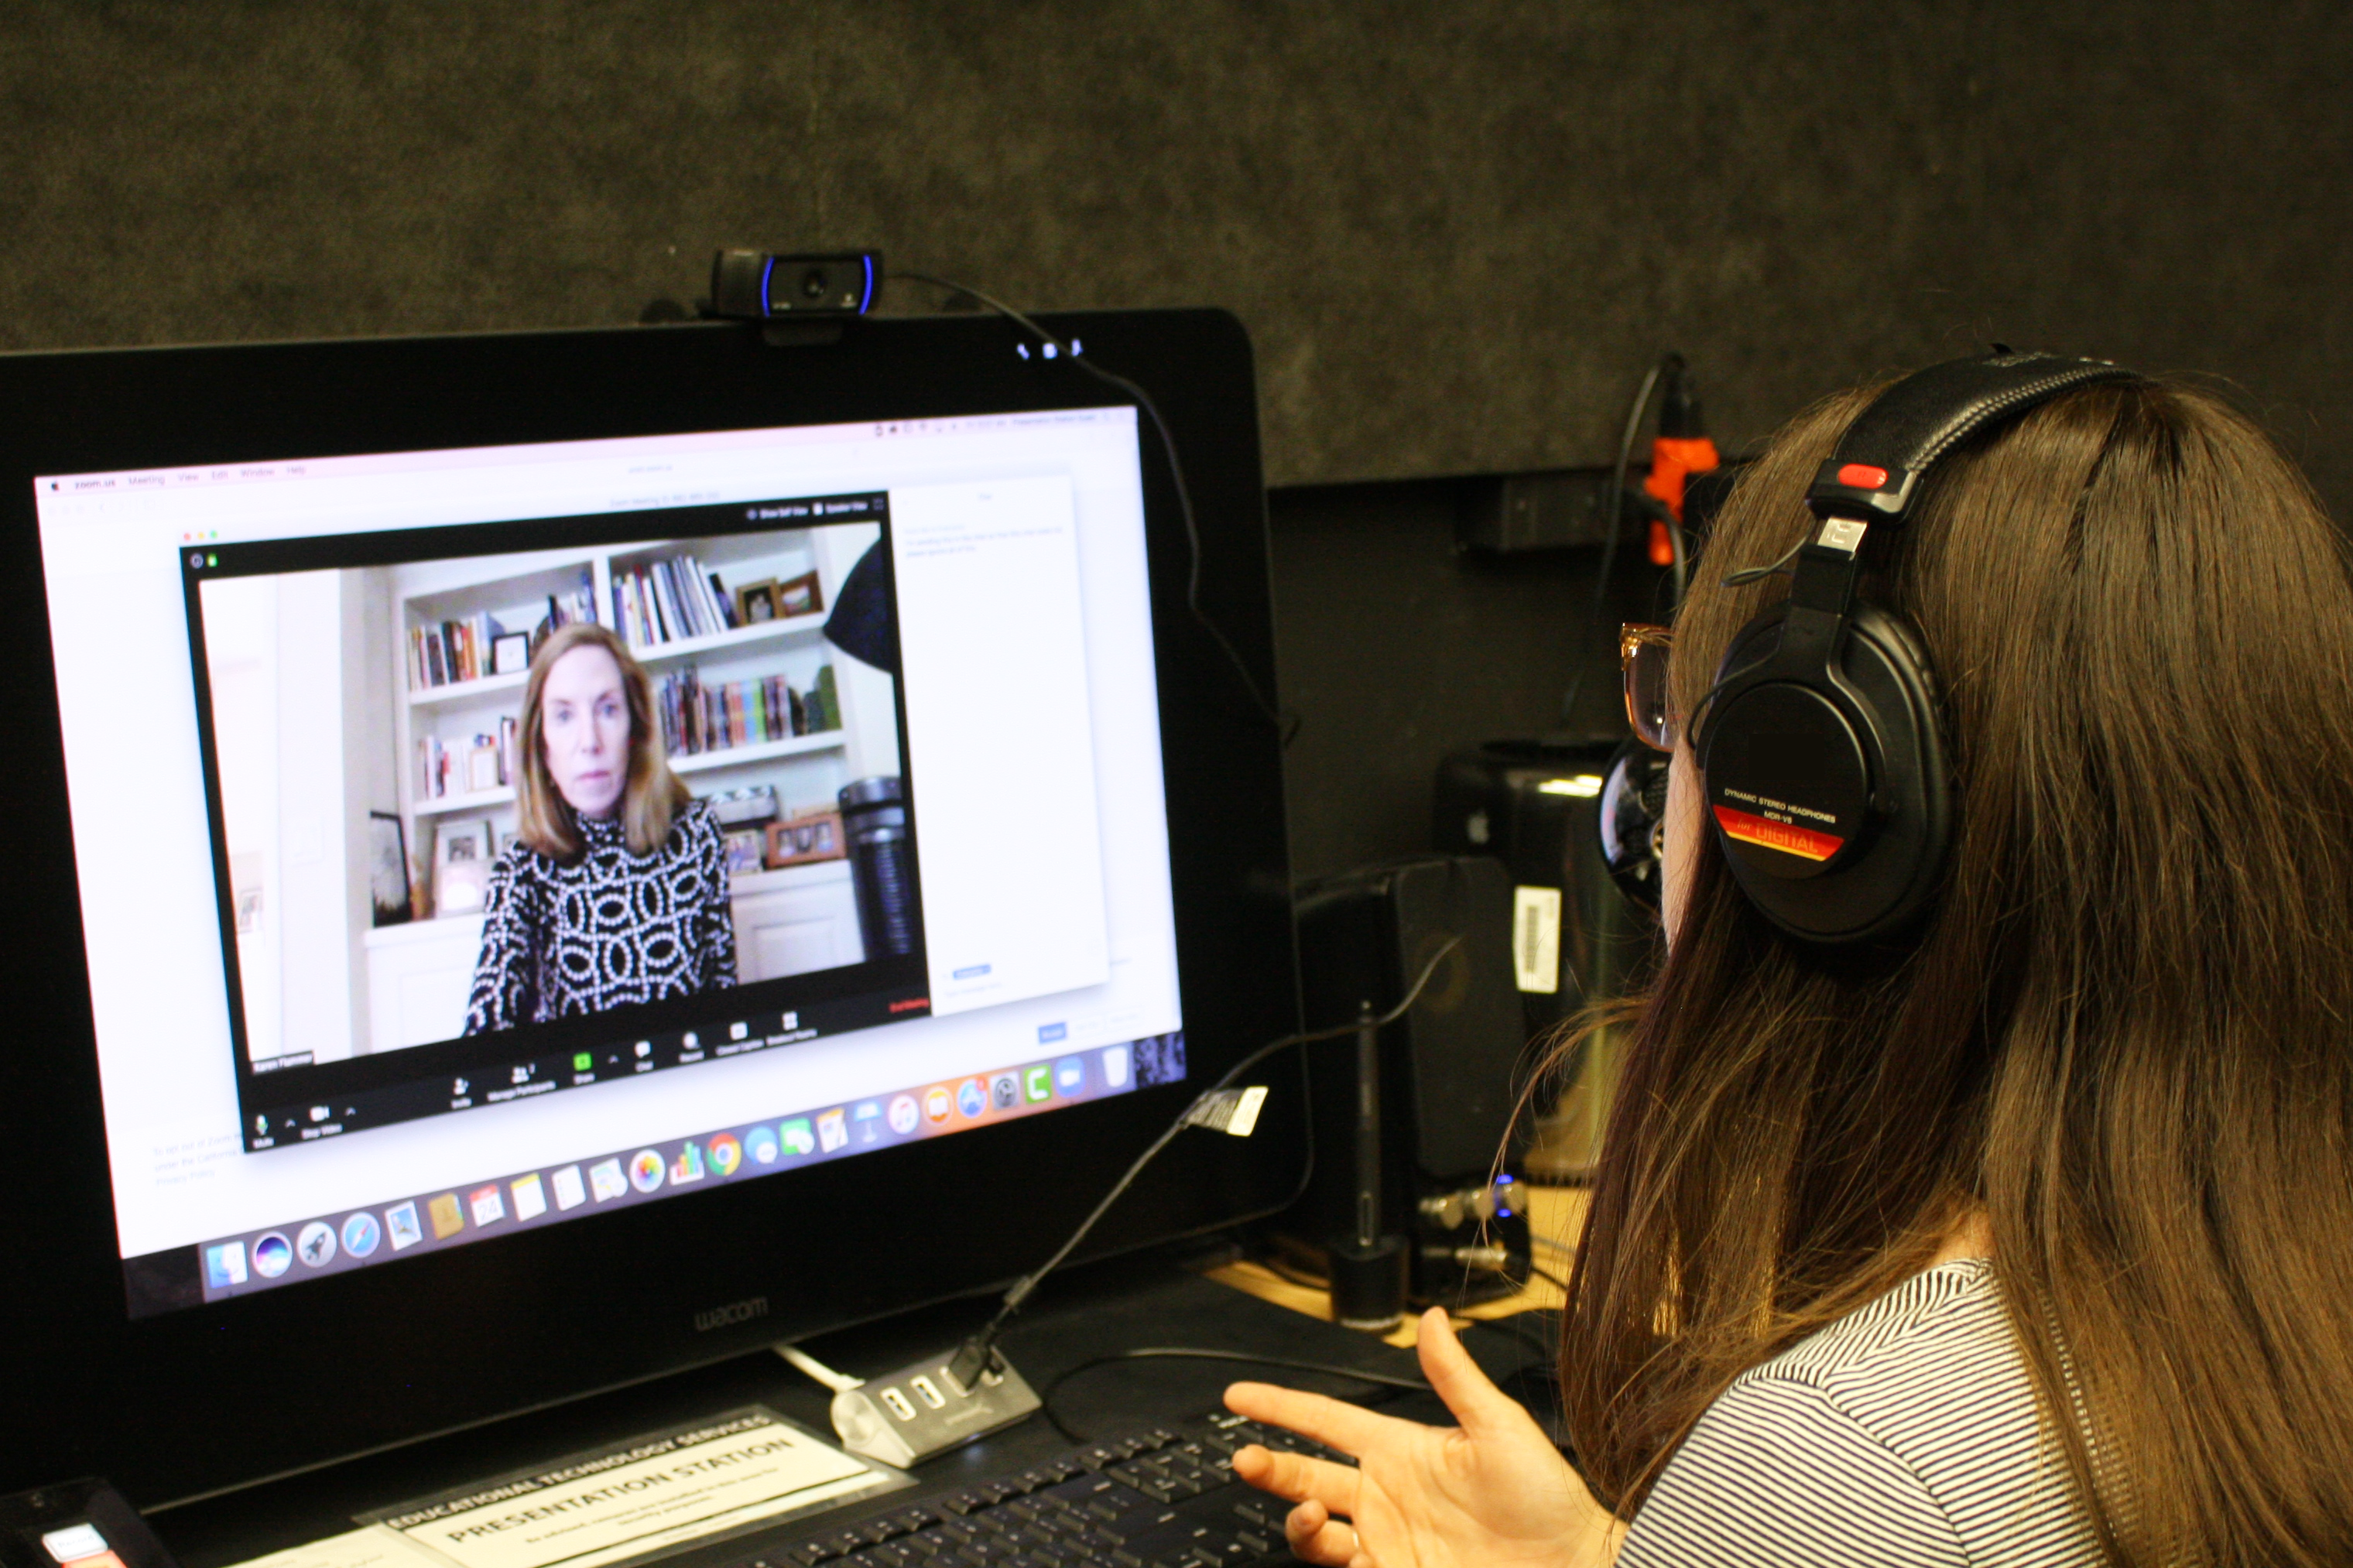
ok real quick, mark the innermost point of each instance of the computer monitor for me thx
(548, 859)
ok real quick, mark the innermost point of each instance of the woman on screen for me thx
(2023, 1234)
(615, 889)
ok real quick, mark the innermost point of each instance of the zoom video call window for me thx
(471, 840)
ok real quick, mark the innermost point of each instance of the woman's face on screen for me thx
(584, 720)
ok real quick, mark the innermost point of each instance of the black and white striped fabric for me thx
(1905, 1433)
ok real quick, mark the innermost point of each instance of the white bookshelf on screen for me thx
(788, 921)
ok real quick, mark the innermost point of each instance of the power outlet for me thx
(906, 1416)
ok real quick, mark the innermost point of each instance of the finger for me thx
(1316, 1537)
(1298, 1478)
(1477, 1403)
(1348, 1427)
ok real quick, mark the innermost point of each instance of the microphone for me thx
(1681, 449)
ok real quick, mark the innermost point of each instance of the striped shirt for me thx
(1905, 1432)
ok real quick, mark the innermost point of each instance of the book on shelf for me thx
(670, 600)
(698, 717)
(481, 762)
(447, 653)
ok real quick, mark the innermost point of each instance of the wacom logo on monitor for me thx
(732, 1313)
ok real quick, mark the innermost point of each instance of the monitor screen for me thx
(514, 834)
(545, 859)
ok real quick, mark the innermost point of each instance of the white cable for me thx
(840, 1383)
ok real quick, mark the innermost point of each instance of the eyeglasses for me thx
(1642, 656)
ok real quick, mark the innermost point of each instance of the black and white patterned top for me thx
(610, 928)
(1905, 1432)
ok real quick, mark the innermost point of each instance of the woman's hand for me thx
(1492, 1492)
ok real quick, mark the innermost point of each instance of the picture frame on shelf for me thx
(390, 892)
(510, 654)
(463, 852)
(483, 770)
(745, 848)
(799, 596)
(806, 839)
(757, 601)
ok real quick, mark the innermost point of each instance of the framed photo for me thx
(745, 846)
(483, 767)
(799, 596)
(463, 852)
(757, 601)
(802, 840)
(388, 886)
(510, 655)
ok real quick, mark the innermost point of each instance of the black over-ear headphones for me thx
(1826, 781)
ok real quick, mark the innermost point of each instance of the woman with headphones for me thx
(1981, 1186)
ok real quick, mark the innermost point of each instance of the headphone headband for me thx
(1875, 473)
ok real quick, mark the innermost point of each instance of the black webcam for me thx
(764, 285)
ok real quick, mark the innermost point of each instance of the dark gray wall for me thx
(1457, 231)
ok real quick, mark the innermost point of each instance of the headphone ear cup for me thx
(1878, 875)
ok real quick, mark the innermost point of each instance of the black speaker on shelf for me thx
(1449, 1069)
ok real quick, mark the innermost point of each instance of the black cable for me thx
(1550, 1277)
(976, 1351)
(1675, 546)
(1184, 1352)
(1286, 726)
(1749, 574)
(1614, 526)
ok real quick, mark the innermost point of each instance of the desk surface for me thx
(1554, 1212)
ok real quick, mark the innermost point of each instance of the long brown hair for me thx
(652, 796)
(2125, 1029)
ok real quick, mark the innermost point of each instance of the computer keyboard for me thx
(1164, 1498)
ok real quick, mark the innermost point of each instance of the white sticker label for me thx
(74, 1542)
(1535, 938)
(1229, 1110)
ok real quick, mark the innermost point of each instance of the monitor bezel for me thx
(214, 1397)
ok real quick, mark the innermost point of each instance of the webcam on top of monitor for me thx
(765, 284)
